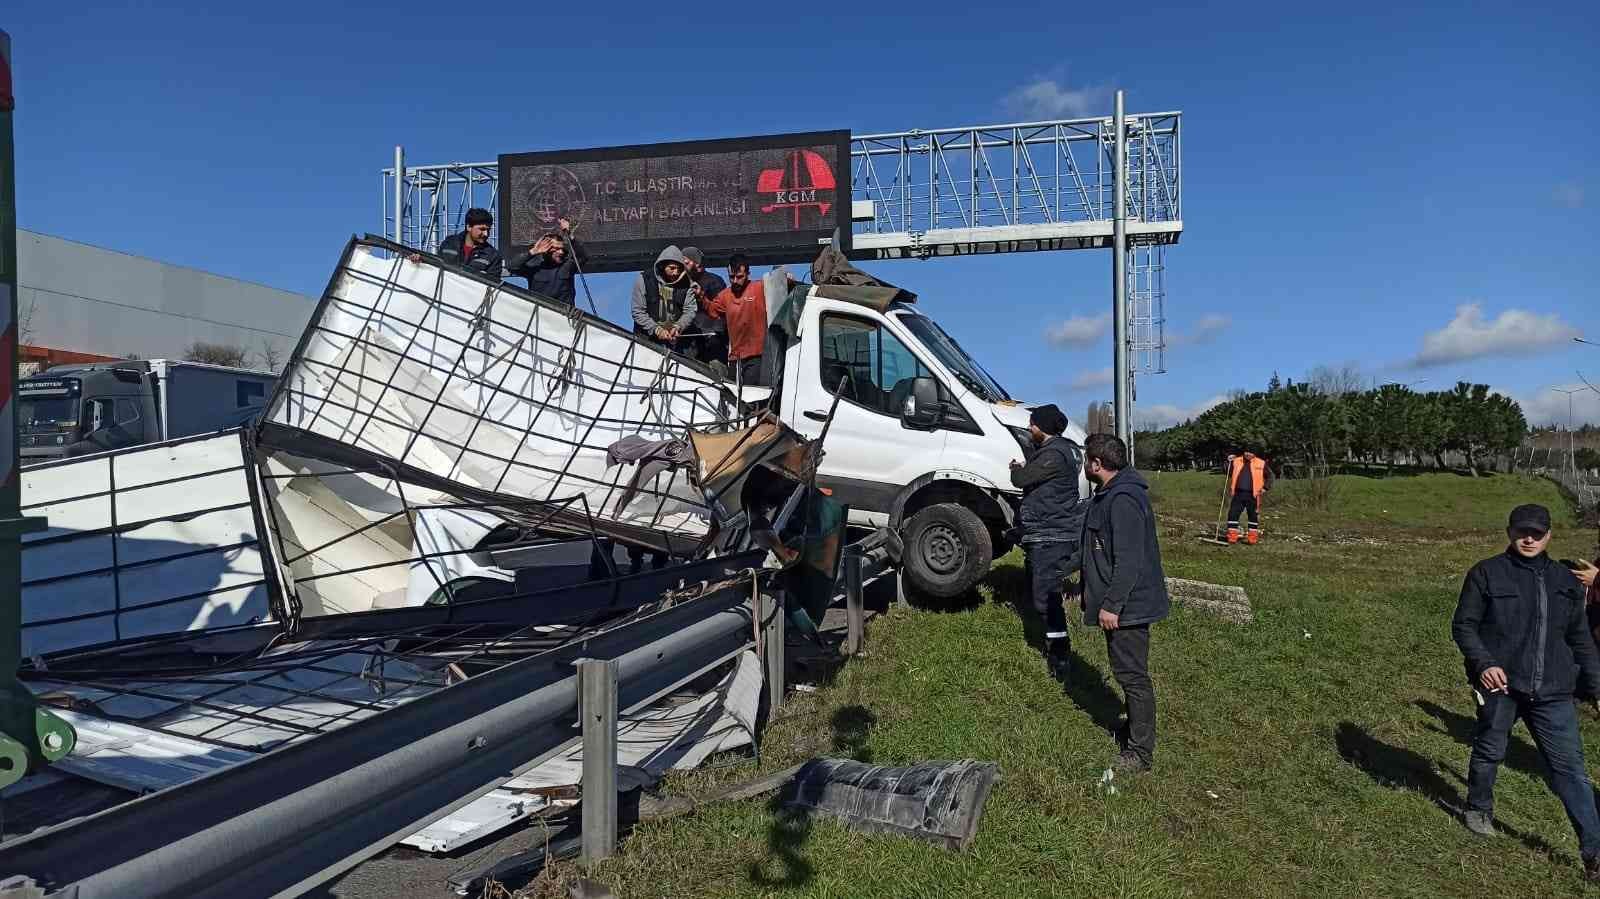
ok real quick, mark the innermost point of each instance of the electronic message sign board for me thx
(775, 198)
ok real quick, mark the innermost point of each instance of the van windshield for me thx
(953, 357)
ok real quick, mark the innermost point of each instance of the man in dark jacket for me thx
(710, 343)
(1124, 588)
(471, 248)
(663, 299)
(551, 265)
(1052, 520)
(1523, 634)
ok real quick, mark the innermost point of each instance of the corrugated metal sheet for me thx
(138, 759)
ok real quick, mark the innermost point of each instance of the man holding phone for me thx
(1522, 630)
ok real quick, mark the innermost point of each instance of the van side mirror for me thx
(922, 410)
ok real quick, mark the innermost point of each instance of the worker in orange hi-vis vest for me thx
(1248, 478)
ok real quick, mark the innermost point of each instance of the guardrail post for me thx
(772, 635)
(597, 704)
(854, 604)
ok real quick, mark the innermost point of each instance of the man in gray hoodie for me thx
(663, 299)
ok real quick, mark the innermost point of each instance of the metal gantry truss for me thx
(1010, 188)
(943, 192)
(1147, 300)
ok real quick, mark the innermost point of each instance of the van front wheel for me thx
(947, 550)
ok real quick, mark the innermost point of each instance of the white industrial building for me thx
(80, 303)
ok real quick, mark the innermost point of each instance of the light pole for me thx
(1571, 446)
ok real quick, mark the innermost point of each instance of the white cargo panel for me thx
(152, 540)
(481, 385)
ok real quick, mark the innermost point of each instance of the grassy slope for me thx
(1306, 754)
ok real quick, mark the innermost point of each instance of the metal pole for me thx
(399, 193)
(29, 736)
(597, 703)
(772, 628)
(1119, 274)
(855, 613)
(1572, 449)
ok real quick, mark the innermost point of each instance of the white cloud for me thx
(1079, 330)
(1094, 378)
(1514, 332)
(1568, 195)
(1548, 406)
(1047, 98)
(1208, 328)
(1165, 415)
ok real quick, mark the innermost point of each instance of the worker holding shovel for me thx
(1249, 476)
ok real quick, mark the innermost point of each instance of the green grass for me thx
(1307, 754)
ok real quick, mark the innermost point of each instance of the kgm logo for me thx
(804, 182)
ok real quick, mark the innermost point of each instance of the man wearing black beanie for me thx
(1051, 519)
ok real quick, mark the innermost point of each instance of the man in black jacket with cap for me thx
(1124, 588)
(1523, 633)
(1051, 520)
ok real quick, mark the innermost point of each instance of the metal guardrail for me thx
(302, 815)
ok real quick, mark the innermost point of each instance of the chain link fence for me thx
(1567, 467)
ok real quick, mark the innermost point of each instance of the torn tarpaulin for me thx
(940, 802)
(651, 458)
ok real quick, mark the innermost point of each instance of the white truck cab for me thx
(922, 437)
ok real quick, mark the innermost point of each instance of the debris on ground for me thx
(1227, 601)
(939, 802)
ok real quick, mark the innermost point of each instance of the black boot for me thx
(1058, 653)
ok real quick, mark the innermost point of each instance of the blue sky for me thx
(1409, 190)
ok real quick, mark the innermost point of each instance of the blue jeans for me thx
(1554, 725)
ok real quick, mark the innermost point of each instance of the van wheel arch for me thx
(989, 520)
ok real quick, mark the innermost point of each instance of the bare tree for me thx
(269, 356)
(231, 355)
(1330, 381)
(25, 322)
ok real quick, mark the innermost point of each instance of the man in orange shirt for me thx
(743, 305)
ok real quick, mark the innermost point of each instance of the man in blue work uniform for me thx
(1051, 519)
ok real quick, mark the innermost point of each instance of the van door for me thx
(869, 454)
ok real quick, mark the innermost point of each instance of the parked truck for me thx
(72, 410)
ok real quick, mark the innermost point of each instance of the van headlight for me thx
(1024, 438)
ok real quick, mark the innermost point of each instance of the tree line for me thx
(1328, 421)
